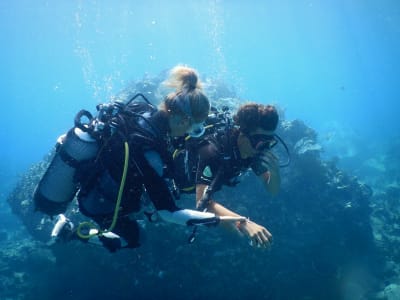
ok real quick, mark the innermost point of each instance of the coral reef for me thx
(332, 240)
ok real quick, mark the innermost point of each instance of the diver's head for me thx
(257, 124)
(188, 106)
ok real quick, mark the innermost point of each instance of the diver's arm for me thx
(160, 194)
(271, 178)
(258, 235)
(189, 217)
(212, 206)
(271, 181)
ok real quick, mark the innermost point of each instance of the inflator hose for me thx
(90, 225)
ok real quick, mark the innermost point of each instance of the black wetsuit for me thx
(149, 160)
(214, 161)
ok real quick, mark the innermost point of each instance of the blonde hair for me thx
(183, 78)
(188, 98)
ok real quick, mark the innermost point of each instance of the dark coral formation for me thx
(20, 201)
(324, 244)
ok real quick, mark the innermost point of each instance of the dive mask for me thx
(262, 142)
(182, 101)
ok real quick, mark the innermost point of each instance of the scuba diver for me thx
(230, 147)
(114, 160)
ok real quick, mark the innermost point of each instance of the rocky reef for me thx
(334, 238)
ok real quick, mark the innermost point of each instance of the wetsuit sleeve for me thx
(160, 195)
(151, 164)
(208, 164)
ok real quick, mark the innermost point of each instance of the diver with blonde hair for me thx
(188, 99)
(133, 161)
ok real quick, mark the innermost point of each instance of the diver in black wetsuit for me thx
(222, 154)
(136, 161)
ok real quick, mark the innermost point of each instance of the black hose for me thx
(141, 95)
(287, 151)
(78, 120)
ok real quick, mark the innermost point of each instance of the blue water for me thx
(333, 64)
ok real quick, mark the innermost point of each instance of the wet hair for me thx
(188, 98)
(250, 116)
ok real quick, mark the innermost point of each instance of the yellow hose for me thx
(90, 225)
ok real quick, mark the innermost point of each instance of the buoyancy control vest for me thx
(81, 146)
(219, 133)
(98, 191)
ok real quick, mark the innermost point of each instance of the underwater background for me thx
(333, 65)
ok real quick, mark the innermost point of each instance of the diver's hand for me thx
(271, 177)
(258, 235)
(270, 159)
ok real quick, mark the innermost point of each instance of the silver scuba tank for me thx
(58, 187)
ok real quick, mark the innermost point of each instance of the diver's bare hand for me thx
(270, 160)
(258, 235)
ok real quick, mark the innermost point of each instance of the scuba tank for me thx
(58, 187)
(79, 146)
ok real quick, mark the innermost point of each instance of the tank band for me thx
(49, 207)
